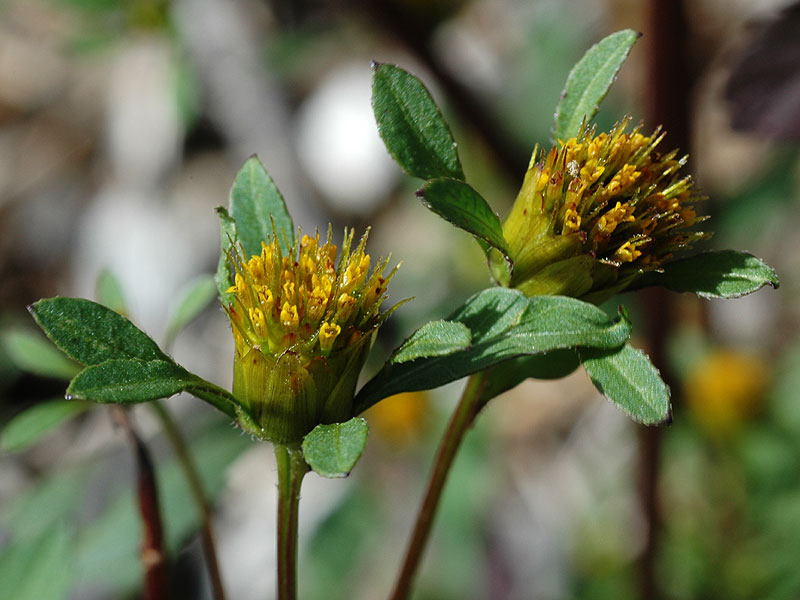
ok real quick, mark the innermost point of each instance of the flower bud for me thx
(303, 327)
(595, 213)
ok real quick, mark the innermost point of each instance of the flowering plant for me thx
(597, 214)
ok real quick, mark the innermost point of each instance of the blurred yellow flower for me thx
(399, 418)
(303, 327)
(597, 211)
(725, 389)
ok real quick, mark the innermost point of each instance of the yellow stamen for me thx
(627, 252)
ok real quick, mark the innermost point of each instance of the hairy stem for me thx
(468, 407)
(291, 469)
(198, 495)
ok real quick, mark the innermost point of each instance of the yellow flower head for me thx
(597, 211)
(303, 325)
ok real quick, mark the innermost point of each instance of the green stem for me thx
(463, 417)
(291, 469)
(198, 494)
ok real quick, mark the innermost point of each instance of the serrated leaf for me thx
(91, 333)
(459, 203)
(509, 374)
(503, 324)
(255, 203)
(30, 426)
(128, 381)
(718, 274)
(108, 291)
(411, 125)
(31, 352)
(628, 378)
(224, 276)
(191, 300)
(589, 82)
(333, 450)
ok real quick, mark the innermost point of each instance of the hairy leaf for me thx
(411, 125)
(719, 274)
(628, 378)
(333, 450)
(256, 203)
(91, 333)
(459, 203)
(589, 82)
(503, 324)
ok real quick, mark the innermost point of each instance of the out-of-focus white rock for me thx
(338, 142)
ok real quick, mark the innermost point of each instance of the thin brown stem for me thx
(291, 469)
(198, 494)
(468, 407)
(153, 556)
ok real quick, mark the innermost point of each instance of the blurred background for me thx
(122, 125)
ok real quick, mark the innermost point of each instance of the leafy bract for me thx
(717, 274)
(91, 333)
(589, 82)
(459, 203)
(256, 204)
(503, 324)
(333, 450)
(411, 125)
(224, 276)
(628, 378)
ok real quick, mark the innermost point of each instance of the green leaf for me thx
(411, 125)
(333, 450)
(459, 203)
(127, 381)
(29, 426)
(39, 569)
(628, 378)
(589, 82)
(509, 374)
(191, 300)
(437, 338)
(31, 352)
(256, 203)
(503, 324)
(108, 291)
(719, 274)
(91, 333)
(224, 277)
